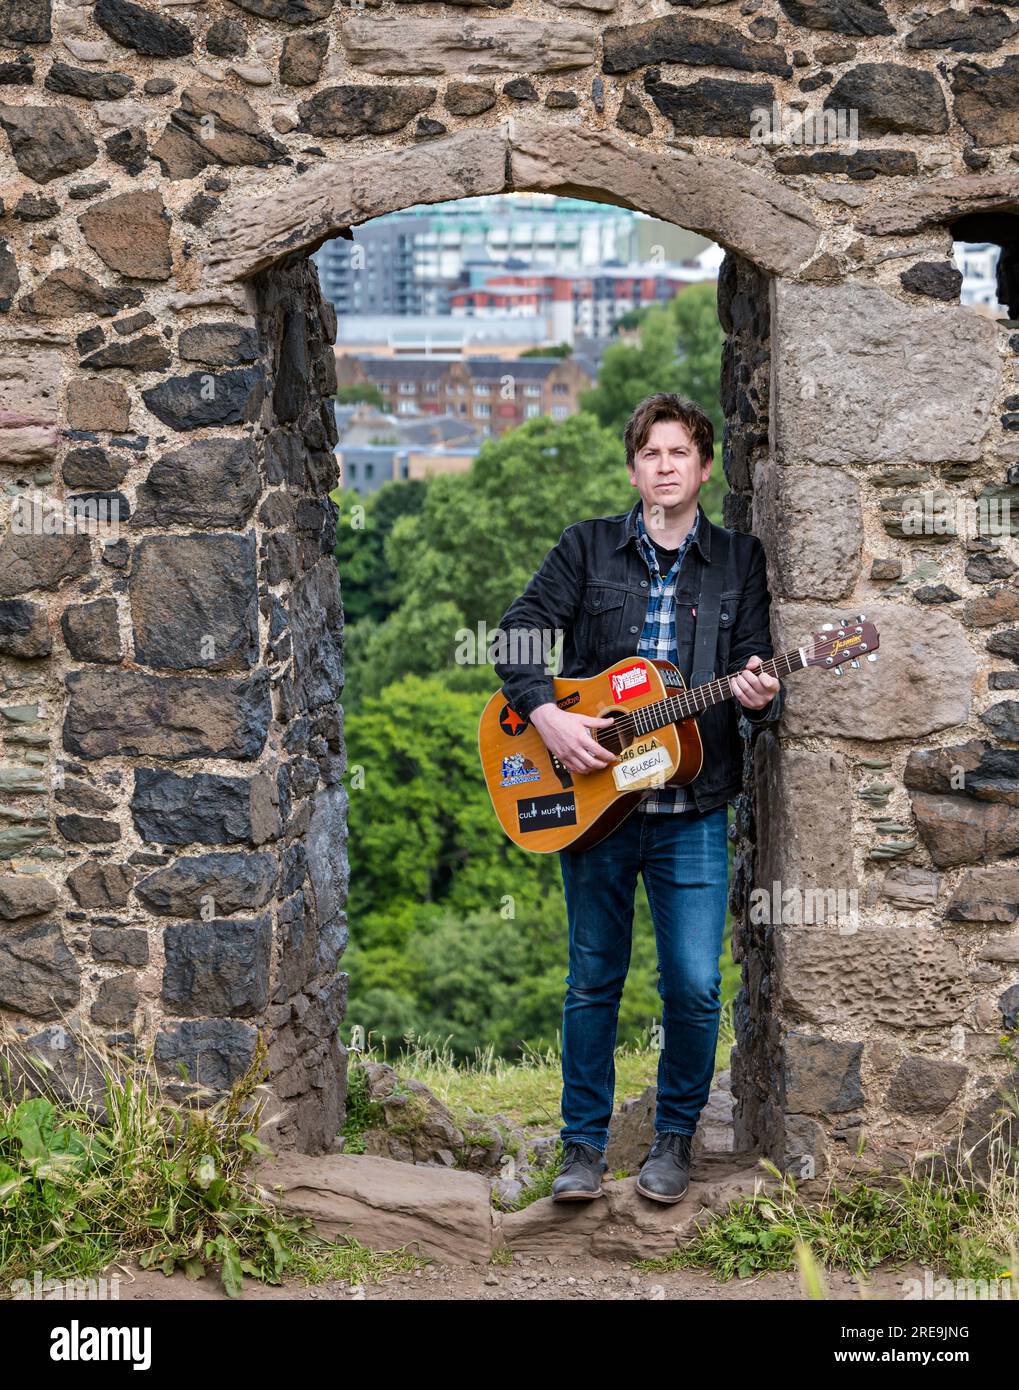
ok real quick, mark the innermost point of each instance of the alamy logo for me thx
(77, 1343)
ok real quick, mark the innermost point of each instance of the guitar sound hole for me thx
(613, 739)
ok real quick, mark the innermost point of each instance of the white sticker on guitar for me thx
(638, 770)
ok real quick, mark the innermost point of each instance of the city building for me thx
(408, 263)
(575, 303)
(494, 394)
(978, 262)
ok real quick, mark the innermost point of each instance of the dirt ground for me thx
(528, 1278)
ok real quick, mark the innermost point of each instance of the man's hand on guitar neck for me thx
(568, 736)
(754, 689)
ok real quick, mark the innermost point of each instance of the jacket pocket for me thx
(602, 612)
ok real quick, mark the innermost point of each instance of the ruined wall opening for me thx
(457, 939)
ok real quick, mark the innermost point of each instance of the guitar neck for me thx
(700, 697)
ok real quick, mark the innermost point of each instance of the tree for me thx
(553, 350)
(363, 525)
(360, 392)
(680, 350)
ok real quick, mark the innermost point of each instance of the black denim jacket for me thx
(593, 585)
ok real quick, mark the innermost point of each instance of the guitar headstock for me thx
(837, 643)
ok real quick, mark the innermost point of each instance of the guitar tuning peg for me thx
(872, 656)
(855, 665)
(836, 670)
(861, 617)
(843, 622)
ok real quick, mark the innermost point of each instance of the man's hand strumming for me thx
(568, 736)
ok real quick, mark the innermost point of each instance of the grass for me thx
(148, 1177)
(527, 1089)
(963, 1225)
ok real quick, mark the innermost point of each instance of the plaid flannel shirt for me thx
(658, 640)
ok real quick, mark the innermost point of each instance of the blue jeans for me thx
(683, 859)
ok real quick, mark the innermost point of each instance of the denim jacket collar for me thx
(702, 536)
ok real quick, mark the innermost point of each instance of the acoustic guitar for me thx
(544, 807)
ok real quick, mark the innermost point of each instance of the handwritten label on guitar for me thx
(631, 680)
(657, 763)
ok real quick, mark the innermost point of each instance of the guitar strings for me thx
(675, 707)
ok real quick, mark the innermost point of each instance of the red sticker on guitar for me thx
(631, 680)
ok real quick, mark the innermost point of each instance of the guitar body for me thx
(544, 807)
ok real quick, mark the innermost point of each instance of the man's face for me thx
(667, 470)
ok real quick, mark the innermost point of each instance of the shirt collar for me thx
(635, 527)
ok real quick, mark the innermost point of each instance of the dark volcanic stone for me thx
(99, 883)
(31, 207)
(987, 101)
(231, 882)
(10, 280)
(925, 1085)
(520, 89)
(149, 33)
(860, 164)
(709, 106)
(214, 1051)
(199, 209)
(39, 975)
(92, 468)
(29, 561)
(357, 110)
(981, 30)
(936, 279)
(25, 21)
(129, 149)
(116, 1002)
(88, 830)
(218, 967)
(90, 339)
(864, 17)
(227, 38)
(120, 944)
(214, 483)
(201, 398)
(426, 128)
(891, 99)
(90, 630)
(302, 59)
(317, 625)
(158, 86)
(564, 101)
(820, 1076)
(985, 569)
(469, 98)
(24, 630)
(93, 86)
(218, 344)
(696, 42)
(17, 74)
(206, 809)
(128, 712)
(1003, 720)
(146, 354)
(47, 141)
(289, 11)
(632, 116)
(194, 602)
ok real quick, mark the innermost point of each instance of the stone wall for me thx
(172, 814)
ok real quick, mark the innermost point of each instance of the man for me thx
(619, 586)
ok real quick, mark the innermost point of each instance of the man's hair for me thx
(666, 405)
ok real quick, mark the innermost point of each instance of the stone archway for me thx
(173, 829)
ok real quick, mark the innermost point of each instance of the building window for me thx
(560, 412)
(560, 388)
(482, 388)
(408, 388)
(369, 471)
(532, 390)
(406, 408)
(530, 411)
(431, 388)
(481, 412)
(352, 471)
